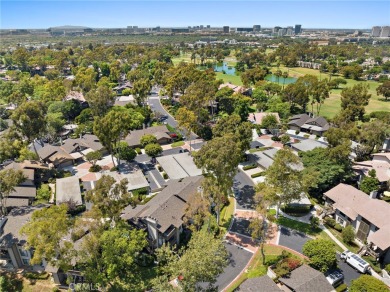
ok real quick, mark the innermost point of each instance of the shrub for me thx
(306, 135)
(140, 192)
(114, 168)
(348, 234)
(77, 210)
(330, 222)
(338, 227)
(367, 283)
(297, 132)
(257, 174)
(295, 209)
(159, 168)
(387, 268)
(314, 222)
(275, 138)
(165, 176)
(138, 150)
(343, 287)
(43, 193)
(250, 166)
(95, 168)
(322, 254)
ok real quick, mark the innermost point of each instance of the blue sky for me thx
(311, 14)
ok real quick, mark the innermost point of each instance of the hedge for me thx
(296, 209)
(138, 150)
(257, 174)
(140, 192)
(343, 287)
(77, 210)
(250, 166)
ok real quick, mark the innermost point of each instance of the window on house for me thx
(26, 262)
(23, 252)
(340, 220)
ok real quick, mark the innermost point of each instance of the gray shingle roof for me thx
(133, 139)
(68, 188)
(167, 206)
(307, 279)
(263, 284)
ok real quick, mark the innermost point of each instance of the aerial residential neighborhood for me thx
(195, 158)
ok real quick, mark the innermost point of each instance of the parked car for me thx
(335, 278)
(355, 261)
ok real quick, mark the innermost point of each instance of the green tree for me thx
(285, 181)
(153, 149)
(29, 120)
(197, 211)
(269, 122)
(43, 193)
(109, 198)
(125, 152)
(9, 179)
(111, 259)
(353, 101)
(148, 139)
(93, 157)
(241, 131)
(384, 89)
(348, 234)
(219, 158)
(285, 139)
(369, 183)
(204, 259)
(45, 232)
(114, 125)
(366, 283)
(54, 124)
(322, 254)
(141, 88)
(100, 100)
(187, 121)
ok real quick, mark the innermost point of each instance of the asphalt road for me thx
(246, 191)
(292, 239)
(238, 259)
(156, 106)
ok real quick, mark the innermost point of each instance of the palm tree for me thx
(278, 73)
(284, 75)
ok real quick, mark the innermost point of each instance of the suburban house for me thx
(162, 216)
(124, 100)
(160, 132)
(126, 85)
(380, 163)
(304, 123)
(179, 166)
(236, 88)
(25, 192)
(263, 283)
(133, 174)
(264, 159)
(366, 214)
(71, 150)
(306, 279)
(68, 190)
(257, 118)
(12, 254)
(307, 145)
(77, 96)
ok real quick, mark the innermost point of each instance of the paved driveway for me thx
(245, 187)
(348, 272)
(241, 226)
(154, 102)
(292, 239)
(238, 259)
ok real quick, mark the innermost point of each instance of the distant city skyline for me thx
(113, 14)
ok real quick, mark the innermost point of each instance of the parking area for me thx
(292, 239)
(348, 272)
(244, 191)
(238, 259)
(241, 226)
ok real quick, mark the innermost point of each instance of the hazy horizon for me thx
(119, 14)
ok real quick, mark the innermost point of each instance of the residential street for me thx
(292, 239)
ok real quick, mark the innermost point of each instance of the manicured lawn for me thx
(226, 215)
(293, 224)
(234, 79)
(256, 268)
(177, 144)
(352, 247)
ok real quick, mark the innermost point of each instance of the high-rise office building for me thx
(385, 32)
(290, 31)
(298, 29)
(282, 32)
(256, 27)
(276, 29)
(226, 29)
(376, 31)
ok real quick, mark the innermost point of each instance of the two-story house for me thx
(162, 217)
(367, 215)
